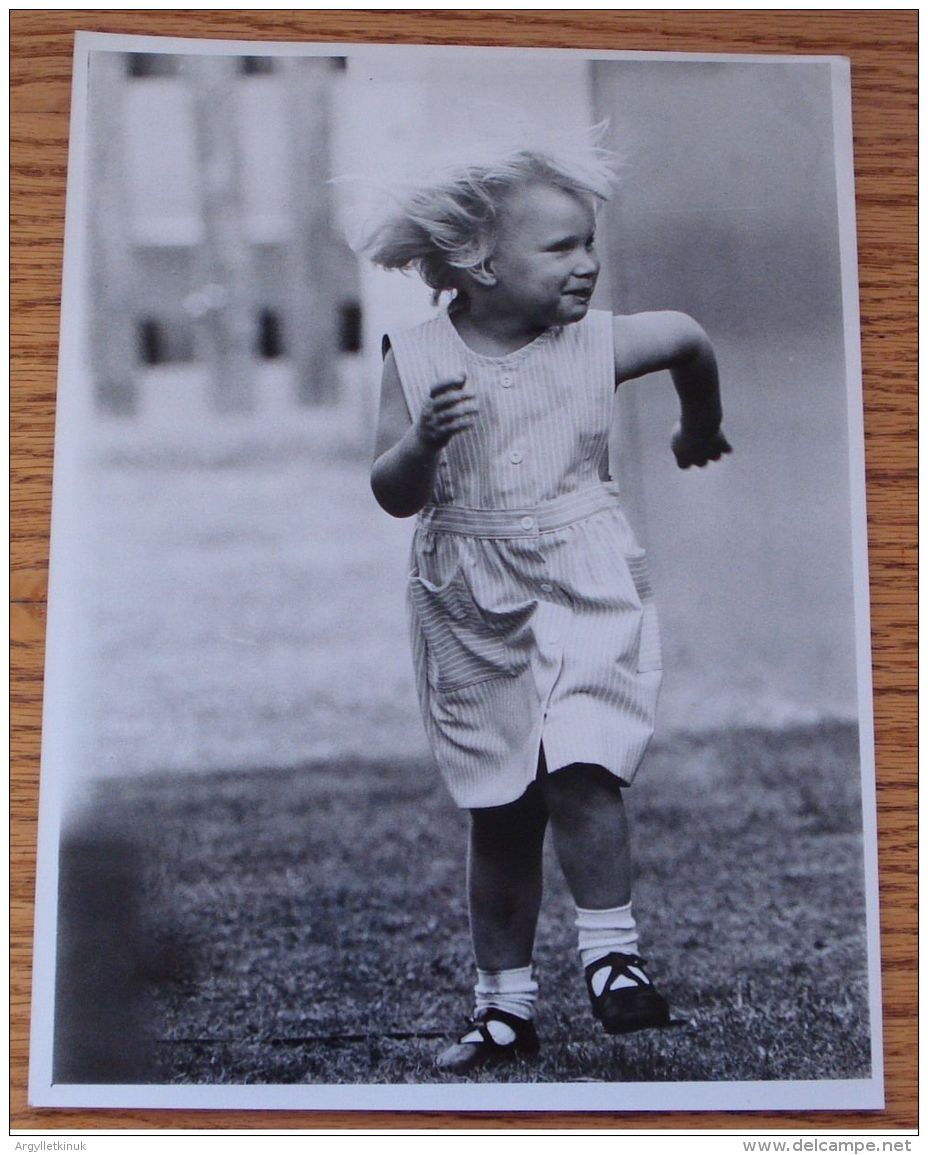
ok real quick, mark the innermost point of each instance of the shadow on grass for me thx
(309, 926)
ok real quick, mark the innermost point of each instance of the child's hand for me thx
(699, 447)
(450, 408)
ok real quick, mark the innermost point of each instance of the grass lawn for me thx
(308, 925)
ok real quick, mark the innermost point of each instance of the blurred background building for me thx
(214, 237)
(218, 232)
(228, 321)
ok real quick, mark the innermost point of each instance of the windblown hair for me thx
(451, 222)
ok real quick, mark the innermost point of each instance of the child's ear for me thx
(483, 274)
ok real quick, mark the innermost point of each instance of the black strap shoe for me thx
(634, 1005)
(477, 1048)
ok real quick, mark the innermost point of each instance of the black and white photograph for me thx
(458, 684)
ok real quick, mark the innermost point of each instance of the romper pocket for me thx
(649, 646)
(466, 643)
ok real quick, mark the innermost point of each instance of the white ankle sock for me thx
(512, 990)
(599, 933)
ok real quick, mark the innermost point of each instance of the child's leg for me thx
(590, 833)
(504, 879)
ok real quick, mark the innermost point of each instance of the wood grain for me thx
(882, 46)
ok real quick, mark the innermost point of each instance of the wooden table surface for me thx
(882, 46)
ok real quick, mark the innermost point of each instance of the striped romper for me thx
(529, 601)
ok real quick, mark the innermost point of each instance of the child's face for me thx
(544, 262)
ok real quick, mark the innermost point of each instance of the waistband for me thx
(545, 518)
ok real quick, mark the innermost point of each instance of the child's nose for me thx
(587, 264)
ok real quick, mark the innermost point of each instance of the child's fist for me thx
(449, 409)
(699, 447)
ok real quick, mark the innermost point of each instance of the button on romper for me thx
(529, 601)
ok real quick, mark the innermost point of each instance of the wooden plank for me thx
(882, 49)
(113, 308)
(312, 259)
(222, 259)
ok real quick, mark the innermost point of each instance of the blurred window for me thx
(270, 335)
(257, 65)
(146, 64)
(164, 340)
(349, 327)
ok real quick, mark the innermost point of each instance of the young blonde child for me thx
(533, 629)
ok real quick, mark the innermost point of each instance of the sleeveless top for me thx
(540, 432)
(530, 610)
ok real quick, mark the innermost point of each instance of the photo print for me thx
(343, 810)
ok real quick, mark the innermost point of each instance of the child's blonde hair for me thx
(450, 223)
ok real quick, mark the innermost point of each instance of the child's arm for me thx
(648, 342)
(407, 452)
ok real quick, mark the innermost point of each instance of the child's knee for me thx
(581, 790)
(511, 831)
